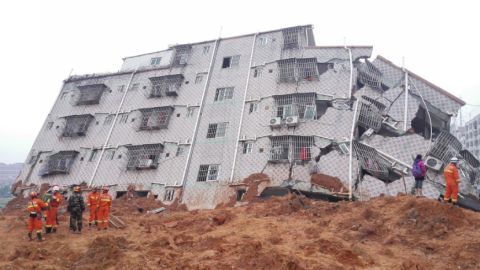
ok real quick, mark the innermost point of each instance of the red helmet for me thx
(33, 194)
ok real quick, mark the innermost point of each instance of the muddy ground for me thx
(401, 232)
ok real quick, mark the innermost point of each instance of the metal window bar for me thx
(212, 131)
(165, 85)
(59, 163)
(144, 156)
(155, 118)
(213, 172)
(181, 55)
(302, 105)
(285, 148)
(445, 147)
(291, 37)
(470, 158)
(369, 75)
(471, 167)
(77, 125)
(370, 115)
(371, 161)
(217, 130)
(224, 93)
(293, 70)
(90, 94)
(202, 173)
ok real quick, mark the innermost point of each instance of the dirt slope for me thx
(281, 233)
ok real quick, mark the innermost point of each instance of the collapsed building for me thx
(190, 123)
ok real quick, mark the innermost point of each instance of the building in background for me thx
(191, 122)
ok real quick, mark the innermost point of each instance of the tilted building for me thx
(191, 122)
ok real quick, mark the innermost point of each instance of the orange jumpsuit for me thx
(105, 201)
(93, 206)
(34, 208)
(452, 179)
(55, 202)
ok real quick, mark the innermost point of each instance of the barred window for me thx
(155, 118)
(123, 118)
(59, 163)
(90, 94)
(293, 70)
(180, 151)
(77, 125)
(217, 130)
(110, 154)
(302, 105)
(247, 147)
(169, 195)
(284, 148)
(108, 119)
(199, 78)
(291, 37)
(145, 156)
(165, 85)
(154, 61)
(181, 55)
(223, 94)
(208, 172)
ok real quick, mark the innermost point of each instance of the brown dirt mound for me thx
(329, 182)
(103, 252)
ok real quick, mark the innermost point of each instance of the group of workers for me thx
(452, 178)
(47, 208)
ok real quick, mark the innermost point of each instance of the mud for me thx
(331, 183)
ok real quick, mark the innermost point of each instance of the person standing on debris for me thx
(55, 201)
(34, 207)
(419, 170)
(105, 202)
(93, 200)
(452, 179)
(76, 206)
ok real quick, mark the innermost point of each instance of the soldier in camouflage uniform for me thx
(76, 206)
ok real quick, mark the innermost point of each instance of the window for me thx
(206, 49)
(110, 154)
(124, 118)
(247, 147)
(77, 125)
(231, 61)
(169, 194)
(93, 155)
(291, 37)
(262, 41)
(155, 61)
(108, 119)
(293, 70)
(121, 88)
(190, 111)
(253, 107)
(208, 173)
(217, 130)
(90, 94)
(302, 105)
(257, 72)
(141, 157)
(59, 163)
(49, 125)
(180, 150)
(181, 55)
(155, 118)
(291, 148)
(224, 94)
(134, 87)
(199, 78)
(165, 85)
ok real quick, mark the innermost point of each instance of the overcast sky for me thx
(41, 41)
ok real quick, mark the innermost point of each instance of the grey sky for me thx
(43, 40)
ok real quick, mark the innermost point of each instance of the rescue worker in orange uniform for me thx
(34, 208)
(92, 203)
(452, 179)
(55, 201)
(105, 202)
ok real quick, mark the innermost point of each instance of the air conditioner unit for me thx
(275, 122)
(292, 121)
(145, 163)
(433, 163)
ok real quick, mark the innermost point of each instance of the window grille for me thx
(144, 156)
(208, 172)
(155, 118)
(371, 161)
(199, 78)
(108, 119)
(223, 94)
(165, 85)
(77, 125)
(302, 105)
(445, 147)
(169, 194)
(90, 94)
(301, 69)
(285, 148)
(181, 55)
(370, 115)
(180, 151)
(253, 107)
(217, 130)
(291, 37)
(59, 163)
(123, 118)
(110, 154)
(247, 147)
(155, 61)
(369, 75)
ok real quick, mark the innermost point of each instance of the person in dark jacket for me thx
(76, 206)
(419, 171)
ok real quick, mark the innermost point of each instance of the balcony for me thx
(297, 69)
(59, 163)
(89, 94)
(144, 157)
(155, 118)
(165, 85)
(77, 125)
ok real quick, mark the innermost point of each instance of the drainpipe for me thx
(243, 109)
(405, 117)
(350, 154)
(111, 129)
(350, 84)
(195, 130)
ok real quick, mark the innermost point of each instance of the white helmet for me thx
(454, 160)
(55, 188)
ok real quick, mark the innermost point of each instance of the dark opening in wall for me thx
(120, 194)
(141, 193)
(240, 194)
(421, 122)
